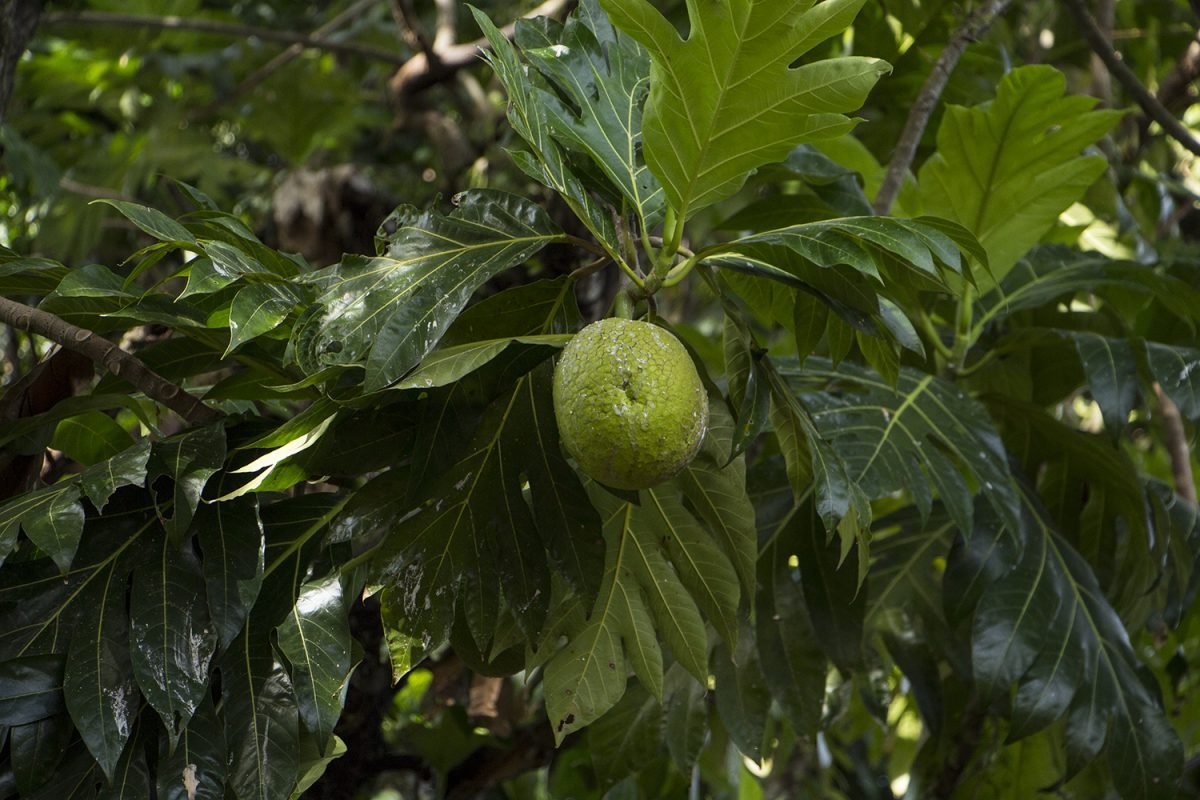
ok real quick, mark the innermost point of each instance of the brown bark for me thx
(1150, 104)
(1175, 439)
(220, 28)
(18, 18)
(108, 356)
(914, 127)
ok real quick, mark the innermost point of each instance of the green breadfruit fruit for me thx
(630, 405)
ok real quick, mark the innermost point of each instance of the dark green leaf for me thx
(840, 501)
(132, 778)
(390, 311)
(188, 460)
(1112, 376)
(1177, 369)
(687, 717)
(40, 608)
(153, 222)
(52, 519)
(99, 687)
(793, 663)
(529, 118)
(566, 520)
(742, 696)
(261, 719)
(1042, 620)
(836, 603)
(76, 778)
(231, 539)
(90, 437)
(895, 438)
(196, 768)
(604, 76)
(173, 637)
(810, 318)
(626, 738)
(30, 689)
(37, 748)
(1053, 273)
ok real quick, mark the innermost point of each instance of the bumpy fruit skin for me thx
(631, 409)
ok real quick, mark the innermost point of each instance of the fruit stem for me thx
(680, 270)
(934, 337)
(962, 329)
(623, 305)
(672, 237)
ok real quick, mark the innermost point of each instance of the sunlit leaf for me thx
(315, 637)
(726, 99)
(1007, 168)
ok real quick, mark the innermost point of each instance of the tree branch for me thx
(108, 356)
(1124, 75)
(292, 52)
(918, 118)
(406, 17)
(221, 29)
(418, 73)
(18, 18)
(1175, 440)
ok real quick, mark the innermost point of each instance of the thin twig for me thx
(293, 52)
(918, 118)
(1124, 75)
(591, 267)
(1176, 92)
(88, 190)
(418, 74)
(406, 17)
(1175, 440)
(109, 356)
(59, 18)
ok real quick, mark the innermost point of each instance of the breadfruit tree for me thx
(747, 398)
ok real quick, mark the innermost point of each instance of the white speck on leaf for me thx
(190, 784)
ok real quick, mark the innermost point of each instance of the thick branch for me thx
(219, 28)
(418, 74)
(1124, 75)
(1175, 439)
(108, 356)
(18, 18)
(918, 118)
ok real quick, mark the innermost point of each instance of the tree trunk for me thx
(18, 18)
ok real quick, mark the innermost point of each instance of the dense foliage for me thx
(936, 542)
